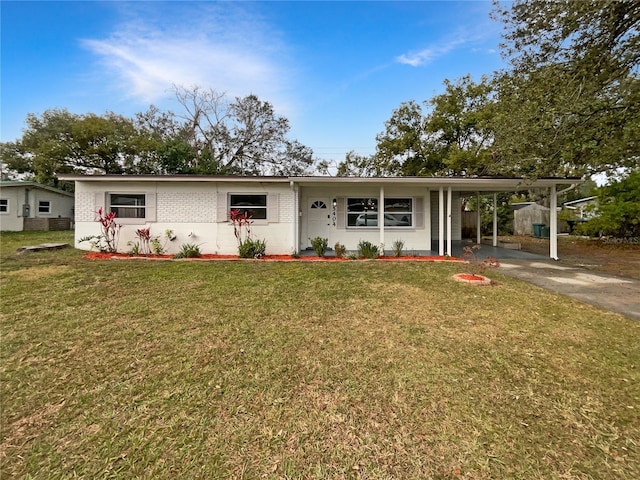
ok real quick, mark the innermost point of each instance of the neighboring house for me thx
(288, 212)
(583, 207)
(32, 206)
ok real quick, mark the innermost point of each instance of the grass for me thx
(252, 369)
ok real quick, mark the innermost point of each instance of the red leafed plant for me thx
(107, 241)
(247, 246)
(241, 225)
(144, 235)
(478, 266)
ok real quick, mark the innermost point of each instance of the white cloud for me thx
(231, 51)
(431, 53)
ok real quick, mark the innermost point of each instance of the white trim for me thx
(7, 210)
(456, 183)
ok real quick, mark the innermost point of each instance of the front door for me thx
(318, 218)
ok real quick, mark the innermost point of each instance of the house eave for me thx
(456, 183)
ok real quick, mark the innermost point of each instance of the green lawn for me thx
(253, 369)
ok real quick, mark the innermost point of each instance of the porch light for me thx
(335, 202)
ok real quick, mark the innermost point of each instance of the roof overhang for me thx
(459, 184)
(28, 184)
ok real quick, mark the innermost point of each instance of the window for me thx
(398, 212)
(128, 205)
(254, 205)
(318, 204)
(363, 212)
(44, 206)
(4, 205)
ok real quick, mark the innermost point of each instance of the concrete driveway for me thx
(616, 294)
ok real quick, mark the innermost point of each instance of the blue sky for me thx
(336, 70)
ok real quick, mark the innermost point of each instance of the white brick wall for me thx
(186, 207)
(85, 209)
(287, 206)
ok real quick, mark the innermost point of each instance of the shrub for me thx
(251, 248)
(107, 241)
(477, 266)
(367, 249)
(398, 246)
(188, 250)
(319, 245)
(340, 250)
(248, 247)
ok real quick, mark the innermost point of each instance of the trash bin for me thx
(546, 231)
(537, 229)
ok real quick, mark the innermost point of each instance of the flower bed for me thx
(281, 258)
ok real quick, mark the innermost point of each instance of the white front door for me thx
(318, 218)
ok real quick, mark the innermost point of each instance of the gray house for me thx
(32, 206)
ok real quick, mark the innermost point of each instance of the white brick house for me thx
(424, 212)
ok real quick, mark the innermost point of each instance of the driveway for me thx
(616, 294)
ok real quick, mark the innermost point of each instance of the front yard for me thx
(253, 369)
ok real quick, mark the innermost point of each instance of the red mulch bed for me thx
(282, 258)
(469, 276)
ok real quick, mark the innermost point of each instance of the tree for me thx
(571, 103)
(618, 212)
(458, 128)
(62, 142)
(401, 148)
(452, 138)
(244, 137)
(44, 147)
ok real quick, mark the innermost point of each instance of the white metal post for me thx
(449, 221)
(478, 222)
(381, 218)
(553, 230)
(495, 219)
(427, 218)
(441, 222)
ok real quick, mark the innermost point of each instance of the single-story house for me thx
(583, 207)
(288, 212)
(32, 206)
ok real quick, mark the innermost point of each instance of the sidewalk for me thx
(616, 294)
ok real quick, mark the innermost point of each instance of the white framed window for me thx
(44, 206)
(128, 205)
(362, 212)
(253, 204)
(4, 205)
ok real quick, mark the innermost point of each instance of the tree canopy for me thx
(571, 102)
(210, 135)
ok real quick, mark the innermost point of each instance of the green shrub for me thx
(398, 246)
(188, 250)
(340, 250)
(367, 249)
(319, 245)
(251, 248)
